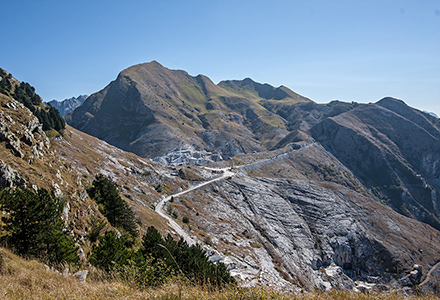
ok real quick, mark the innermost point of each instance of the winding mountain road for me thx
(226, 173)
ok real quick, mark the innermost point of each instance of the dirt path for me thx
(173, 224)
(428, 276)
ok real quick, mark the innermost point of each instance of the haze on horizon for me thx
(325, 50)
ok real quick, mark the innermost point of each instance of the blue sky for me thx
(354, 50)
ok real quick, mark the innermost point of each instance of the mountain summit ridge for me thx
(179, 110)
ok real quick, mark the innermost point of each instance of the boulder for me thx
(10, 177)
(81, 275)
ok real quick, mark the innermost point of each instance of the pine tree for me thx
(49, 117)
(34, 226)
(190, 260)
(112, 206)
(150, 243)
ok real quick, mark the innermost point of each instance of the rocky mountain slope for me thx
(28, 160)
(34, 159)
(301, 214)
(394, 150)
(68, 105)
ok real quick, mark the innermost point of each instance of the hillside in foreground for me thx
(29, 279)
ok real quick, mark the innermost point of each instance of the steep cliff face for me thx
(394, 150)
(151, 110)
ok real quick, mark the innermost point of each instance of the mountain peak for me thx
(263, 90)
(68, 105)
(389, 100)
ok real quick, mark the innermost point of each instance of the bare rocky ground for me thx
(293, 230)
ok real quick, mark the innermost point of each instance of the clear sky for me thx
(357, 50)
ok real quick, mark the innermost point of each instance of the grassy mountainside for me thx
(135, 177)
(29, 279)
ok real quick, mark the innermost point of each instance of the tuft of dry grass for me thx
(29, 279)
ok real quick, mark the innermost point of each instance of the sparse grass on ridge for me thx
(29, 279)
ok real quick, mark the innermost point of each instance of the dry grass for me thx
(29, 279)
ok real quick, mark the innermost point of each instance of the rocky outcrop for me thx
(299, 232)
(29, 132)
(308, 234)
(81, 275)
(10, 177)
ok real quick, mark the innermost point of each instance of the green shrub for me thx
(95, 231)
(144, 272)
(191, 261)
(109, 252)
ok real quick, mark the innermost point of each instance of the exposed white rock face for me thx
(291, 220)
(65, 215)
(81, 275)
(312, 235)
(12, 141)
(57, 191)
(15, 105)
(187, 155)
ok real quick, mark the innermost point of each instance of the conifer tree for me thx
(34, 227)
(112, 206)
